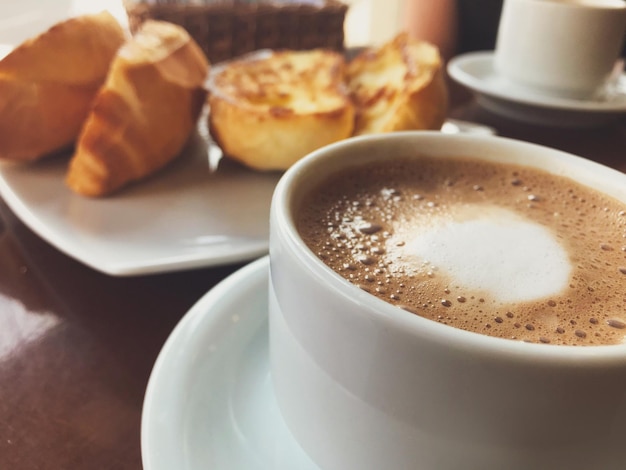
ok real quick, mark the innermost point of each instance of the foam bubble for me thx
(488, 248)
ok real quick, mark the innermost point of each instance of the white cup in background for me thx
(365, 385)
(561, 48)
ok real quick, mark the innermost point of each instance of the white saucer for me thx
(475, 70)
(210, 402)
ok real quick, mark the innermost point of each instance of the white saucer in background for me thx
(475, 70)
(210, 402)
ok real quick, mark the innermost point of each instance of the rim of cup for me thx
(395, 317)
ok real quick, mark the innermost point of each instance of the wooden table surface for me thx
(77, 346)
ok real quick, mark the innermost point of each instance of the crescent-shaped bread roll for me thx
(48, 84)
(144, 113)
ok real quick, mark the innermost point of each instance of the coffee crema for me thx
(498, 249)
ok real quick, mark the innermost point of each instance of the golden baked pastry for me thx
(144, 113)
(269, 110)
(398, 86)
(48, 83)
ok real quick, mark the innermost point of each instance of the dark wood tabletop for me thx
(77, 346)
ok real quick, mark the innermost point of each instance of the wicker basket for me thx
(228, 29)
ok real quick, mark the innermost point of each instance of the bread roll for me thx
(144, 113)
(268, 110)
(399, 86)
(48, 83)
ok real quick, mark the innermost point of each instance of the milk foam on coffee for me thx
(485, 247)
(498, 249)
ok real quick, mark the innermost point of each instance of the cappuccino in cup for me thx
(498, 249)
(414, 279)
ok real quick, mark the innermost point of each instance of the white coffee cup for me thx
(560, 48)
(365, 385)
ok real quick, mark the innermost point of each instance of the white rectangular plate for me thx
(185, 216)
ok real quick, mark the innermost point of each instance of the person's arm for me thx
(434, 21)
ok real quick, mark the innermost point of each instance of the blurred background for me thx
(367, 21)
